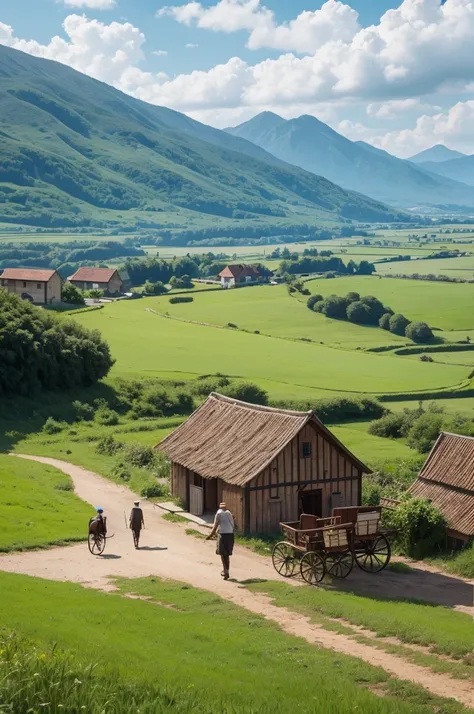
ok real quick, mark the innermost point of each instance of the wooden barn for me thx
(447, 480)
(268, 465)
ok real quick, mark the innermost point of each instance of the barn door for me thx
(196, 500)
(274, 515)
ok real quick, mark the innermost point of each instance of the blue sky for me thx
(405, 84)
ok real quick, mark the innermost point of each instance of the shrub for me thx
(388, 427)
(72, 295)
(311, 301)
(51, 426)
(318, 306)
(155, 491)
(377, 309)
(204, 386)
(180, 298)
(335, 307)
(233, 325)
(157, 288)
(159, 400)
(421, 527)
(418, 332)
(108, 445)
(246, 392)
(337, 409)
(426, 358)
(106, 416)
(359, 312)
(83, 412)
(398, 324)
(384, 321)
(352, 297)
(183, 283)
(139, 455)
(121, 471)
(305, 291)
(424, 432)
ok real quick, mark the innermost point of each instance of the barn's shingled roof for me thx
(240, 270)
(93, 275)
(447, 479)
(232, 440)
(41, 276)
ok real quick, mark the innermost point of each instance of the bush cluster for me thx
(337, 409)
(421, 527)
(38, 350)
(368, 310)
(180, 298)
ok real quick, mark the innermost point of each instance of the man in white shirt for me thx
(224, 525)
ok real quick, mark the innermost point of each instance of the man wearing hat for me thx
(224, 525)
(136, 522)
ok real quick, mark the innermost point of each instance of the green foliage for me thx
(51, 426)
(39, 350)
(335, 307)
(72, 295)
(203, 386)
(384, 321)
(351, 297)
(180, 298)
(311, 301)
(120, 471)
(138, 455)
(157, 490)
(419, 332)
(398, 324)
(106, 416)
(156, 288)
(246, 392)
(83, 412)
(390, 426)
(421, 527)
(460, 562)
(359, 312)
(337, 409)
(424, 432)
(108, 445)
(392, 480)
(183, 283)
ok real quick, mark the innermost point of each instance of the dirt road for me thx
(167, 551)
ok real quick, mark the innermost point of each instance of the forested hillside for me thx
(76, 152)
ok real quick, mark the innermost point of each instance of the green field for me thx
(145, 342)
(445, 305)
(228, 659)
(38, 506)
(452, 267)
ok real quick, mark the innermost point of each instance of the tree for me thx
(419, 332)
(335, 307)
(376, 308)
(384, 321)
(313, 300)
(352, 297)
(184, 283)
(365, 268)
(318, 306)
(246, 392)
(424, 432)
(398, 324)
(72, 295)
(351, 267)
(154, 288)
(359, 312)
(421, 527)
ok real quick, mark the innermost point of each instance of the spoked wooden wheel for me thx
(340, 564)
(96, 543)
(312, 568)
(284, 559)
(372, 556)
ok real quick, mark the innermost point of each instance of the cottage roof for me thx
(93, 275)
(447, 479)
(239, 270)
(40, 276)
(232, 440)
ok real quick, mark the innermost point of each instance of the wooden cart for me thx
(315, 546)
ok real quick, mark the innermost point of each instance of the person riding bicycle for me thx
(98, 524)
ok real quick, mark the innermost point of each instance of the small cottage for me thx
(106, 279)
(447, 480)
(268, 465)
(41, 287)
(241, 274)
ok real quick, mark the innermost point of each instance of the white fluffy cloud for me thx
(92, 4)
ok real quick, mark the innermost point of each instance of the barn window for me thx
(38, 285)
(307, 449)
(24, 285)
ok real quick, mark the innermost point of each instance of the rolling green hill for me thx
(78, 152)
(314, 146)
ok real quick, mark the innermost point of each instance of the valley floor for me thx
(442, 666)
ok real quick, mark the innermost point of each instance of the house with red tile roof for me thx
(41, 287)
(106, 279)
(238, 274)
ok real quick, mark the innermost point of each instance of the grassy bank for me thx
(38, 507)
(191, 642)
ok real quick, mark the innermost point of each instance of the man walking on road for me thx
(224, 525)
(136, 522)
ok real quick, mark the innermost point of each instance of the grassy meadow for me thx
(38, 507)
(193, 643)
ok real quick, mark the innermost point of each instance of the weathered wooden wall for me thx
(274, 495)
(233, 496)
(178, 482)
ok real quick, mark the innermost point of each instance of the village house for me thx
(447, 480)
(241, 274)
(268, 465)
(106, 279)
(41, 287)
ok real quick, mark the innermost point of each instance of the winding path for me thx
(166, 551)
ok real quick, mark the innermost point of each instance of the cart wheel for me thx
(96, 544)
(374, 555)
(312, 568)
(339, 565)
(284, 559)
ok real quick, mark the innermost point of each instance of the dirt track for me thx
(168, 552)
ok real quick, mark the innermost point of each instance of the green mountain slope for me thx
(314, 146)
(78, 152)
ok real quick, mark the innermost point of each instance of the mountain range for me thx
(77, 152)
(461, 169)
(354, 165)
(435, 154)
